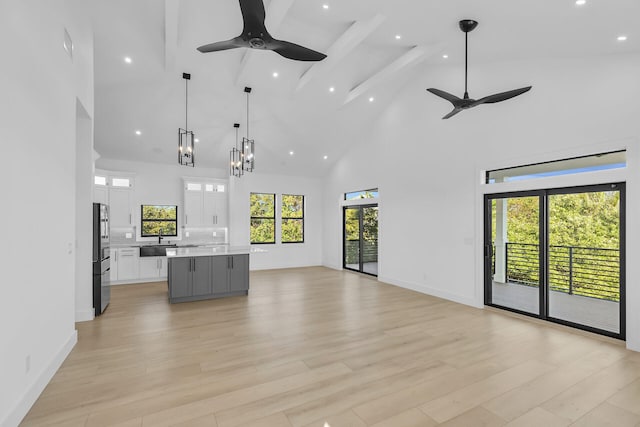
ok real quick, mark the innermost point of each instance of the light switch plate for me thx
(128, 235)
(186, 234)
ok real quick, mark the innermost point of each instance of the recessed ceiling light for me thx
(325, 6)
(275, 74)
(398, 36)
(372, 99)
(291, 153)
(581, 2)
(196, 140)
(326, 157)
(138, 133)
(332, 89)
(128, 60)
(622, 38)
(445, 56)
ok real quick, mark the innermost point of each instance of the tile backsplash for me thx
(204, 236)
(196, 236)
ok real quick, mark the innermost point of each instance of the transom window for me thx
(364, 194)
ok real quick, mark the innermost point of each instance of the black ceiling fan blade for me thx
(503, 96)
(294, 51)
(253, 15)
(224, 45)
(445, 95)
(452, 113)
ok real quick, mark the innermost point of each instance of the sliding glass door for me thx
(360, 248)
(514, 244)
(558, 255)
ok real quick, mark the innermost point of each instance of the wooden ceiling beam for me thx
(409, 59)
(346, 44)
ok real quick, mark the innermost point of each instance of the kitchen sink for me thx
(155, 250)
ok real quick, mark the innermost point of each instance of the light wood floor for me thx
(328, 348)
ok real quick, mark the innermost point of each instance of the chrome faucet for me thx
(160, 236)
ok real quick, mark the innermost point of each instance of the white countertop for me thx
(211, 251)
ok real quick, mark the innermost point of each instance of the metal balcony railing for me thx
(589, 272)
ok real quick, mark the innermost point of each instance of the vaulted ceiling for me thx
(296, 111)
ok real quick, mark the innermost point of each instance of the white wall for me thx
(428, 169)
(278, 255)
(84, 215)
(39, 86)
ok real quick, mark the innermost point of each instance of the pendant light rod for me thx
(247, 91)
(186, 77)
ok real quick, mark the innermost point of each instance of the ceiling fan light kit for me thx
(255, 36)
(186, 139)
(464, 103)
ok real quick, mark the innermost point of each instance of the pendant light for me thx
(186, 149)
(248, 145)
(235, 157)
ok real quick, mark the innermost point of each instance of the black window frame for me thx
(142, 221)
(273, 218)
(283, 219)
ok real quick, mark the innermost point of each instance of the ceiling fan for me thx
(459, 104)
(255, 36)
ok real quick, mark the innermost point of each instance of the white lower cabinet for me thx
(113, 264)
(154, 267)
(127, 260)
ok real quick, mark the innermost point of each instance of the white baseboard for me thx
(36, 388)
(85, 315)
(431, 291)
(283, 267)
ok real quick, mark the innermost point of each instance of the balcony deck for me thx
(597, 313)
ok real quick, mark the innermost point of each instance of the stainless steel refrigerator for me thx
(101, 258)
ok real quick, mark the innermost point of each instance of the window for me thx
(100, 180)
(263, 218)
(365, 194)
(194, 186)
(292, 219)
(159, 219)
(592, 163)
(120, 182)
(211, 188)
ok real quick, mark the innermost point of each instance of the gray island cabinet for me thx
(204, 273)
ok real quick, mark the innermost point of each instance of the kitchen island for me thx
(200, 273)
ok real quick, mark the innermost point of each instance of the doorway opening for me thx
(360, 239)
(559, 255)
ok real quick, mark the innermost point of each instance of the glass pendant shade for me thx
(186, 139)
(248, 154)
(235, 158)
(186, 155)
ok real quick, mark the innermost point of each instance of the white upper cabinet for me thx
(205, 203)
(120, 209)
(116, 191)
(215, 205)
(193, 208)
